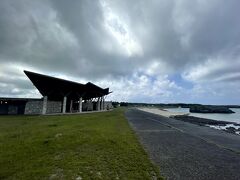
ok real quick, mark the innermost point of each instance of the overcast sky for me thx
(156, 51)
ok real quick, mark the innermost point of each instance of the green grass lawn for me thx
(87, 146)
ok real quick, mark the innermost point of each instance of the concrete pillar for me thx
(80, 105)
(71, 105)
(64, 104)
(44, 109)
(101, 103)
(98, 104)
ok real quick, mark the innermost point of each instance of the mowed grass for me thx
(87, 146)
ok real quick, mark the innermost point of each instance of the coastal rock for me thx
(210, 109)
(201, 121)
(231, 130)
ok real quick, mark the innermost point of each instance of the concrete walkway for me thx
(187, 151)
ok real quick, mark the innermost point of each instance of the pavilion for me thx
(59, 96)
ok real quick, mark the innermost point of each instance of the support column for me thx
(44, 109)
(101, 103)
(98, 104)
(80, 105)
(71, 105)
(64, 104)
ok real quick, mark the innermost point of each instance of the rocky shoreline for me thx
(229, 127)
(210, 109)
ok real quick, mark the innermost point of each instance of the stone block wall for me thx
(54, 107)
(35, 107)
(108, 105)
(87, 106)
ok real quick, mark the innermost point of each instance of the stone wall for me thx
(54, 107)
(108, 105)
(35, 107)
(87, 106)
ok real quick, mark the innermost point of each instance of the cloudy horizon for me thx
(158, 51)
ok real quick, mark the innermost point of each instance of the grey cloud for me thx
(217, 29)
(212, 28)
(58, 37)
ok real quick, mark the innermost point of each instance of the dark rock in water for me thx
(207, 122)
(210, 109)
(231, 129)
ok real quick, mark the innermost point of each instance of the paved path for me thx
(187, 151)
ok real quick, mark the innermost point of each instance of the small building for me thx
(59, 96)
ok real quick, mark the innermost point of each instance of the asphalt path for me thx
(187, 151)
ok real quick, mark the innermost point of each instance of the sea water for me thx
(235, 117)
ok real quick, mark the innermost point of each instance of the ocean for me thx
(235, 117)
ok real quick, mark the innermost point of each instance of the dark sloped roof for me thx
(56, 88)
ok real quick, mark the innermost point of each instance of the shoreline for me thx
(161, 112)
(227, 126)
(230, 127)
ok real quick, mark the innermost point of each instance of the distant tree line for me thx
(165, 105)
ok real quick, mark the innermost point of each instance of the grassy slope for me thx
(90, 146)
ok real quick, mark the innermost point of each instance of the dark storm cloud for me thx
(183, 32)
(117, 40)
(85, 19)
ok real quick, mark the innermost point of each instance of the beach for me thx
(161, 112)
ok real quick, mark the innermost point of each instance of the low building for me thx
(59, 96)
